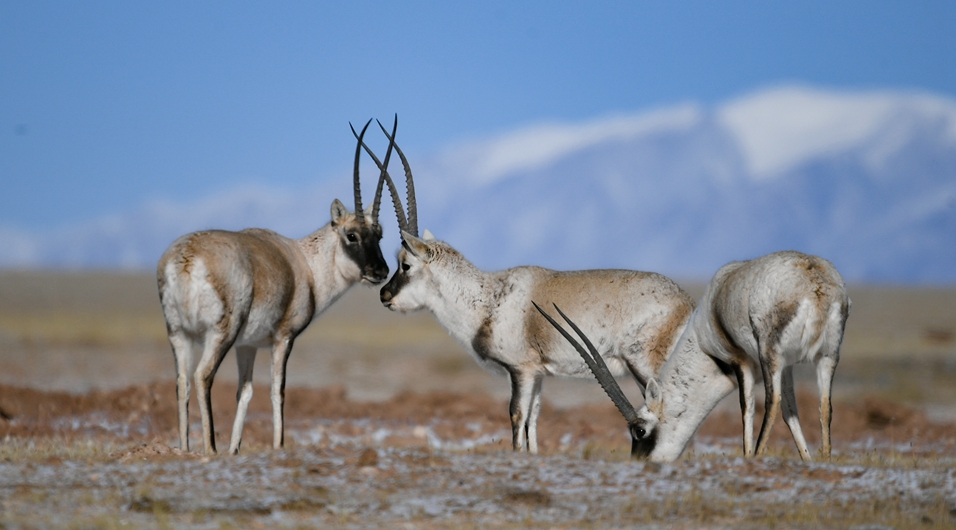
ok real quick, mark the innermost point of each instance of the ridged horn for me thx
(596, 364)
(381, 177)
(393, 191)
(359, 211)
(409, 187)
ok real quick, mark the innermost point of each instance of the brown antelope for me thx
(257, 289)
(638, 315)
(774, 311)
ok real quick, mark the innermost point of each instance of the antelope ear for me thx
(368, 212)
(338, 211)
(428, 236)
(653, 398)
(418, 247)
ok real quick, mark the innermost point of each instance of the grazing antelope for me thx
(775, 311)
(256, 289)
(638, 315)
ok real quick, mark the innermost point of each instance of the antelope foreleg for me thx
(522, 395)
(534, 411)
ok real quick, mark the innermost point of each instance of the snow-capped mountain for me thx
(865, 179)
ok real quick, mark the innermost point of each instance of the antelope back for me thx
(781, 297)
(207, 276)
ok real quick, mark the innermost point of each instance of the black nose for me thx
(377, 274)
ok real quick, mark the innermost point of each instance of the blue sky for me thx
(106, 105)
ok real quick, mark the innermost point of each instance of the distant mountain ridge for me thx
(865, 179)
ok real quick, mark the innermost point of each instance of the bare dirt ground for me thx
(391, 424)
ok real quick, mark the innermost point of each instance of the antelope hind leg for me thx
(183, 352)
(745, 383)
(790, 415)
(280, 360)
(214, 350)
(825, 370)
(772, 386)
(246, 360)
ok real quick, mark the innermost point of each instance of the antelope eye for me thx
(351, 237)
(639, 432)
(405, 267)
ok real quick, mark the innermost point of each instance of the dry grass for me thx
(693, 509)
(895, 322)
(58, 449)
(900, 342)
(147, 500)
(96, 329)
(885, 322)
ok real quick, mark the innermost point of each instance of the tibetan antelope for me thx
(774, 311)
(639, 317)
(255, 289)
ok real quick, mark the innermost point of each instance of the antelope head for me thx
(359, 232)
(417, 252)
(642, 425)
(414, 280)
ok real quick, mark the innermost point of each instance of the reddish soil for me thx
(148, 412)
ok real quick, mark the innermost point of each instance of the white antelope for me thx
(256, 289)
(775, 311)
(638, 316)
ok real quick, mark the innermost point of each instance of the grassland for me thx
(391, 423)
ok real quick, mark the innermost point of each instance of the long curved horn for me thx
(393, 191)
(359, 212)
(596, 363)
(409, 186)
(381, 178)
